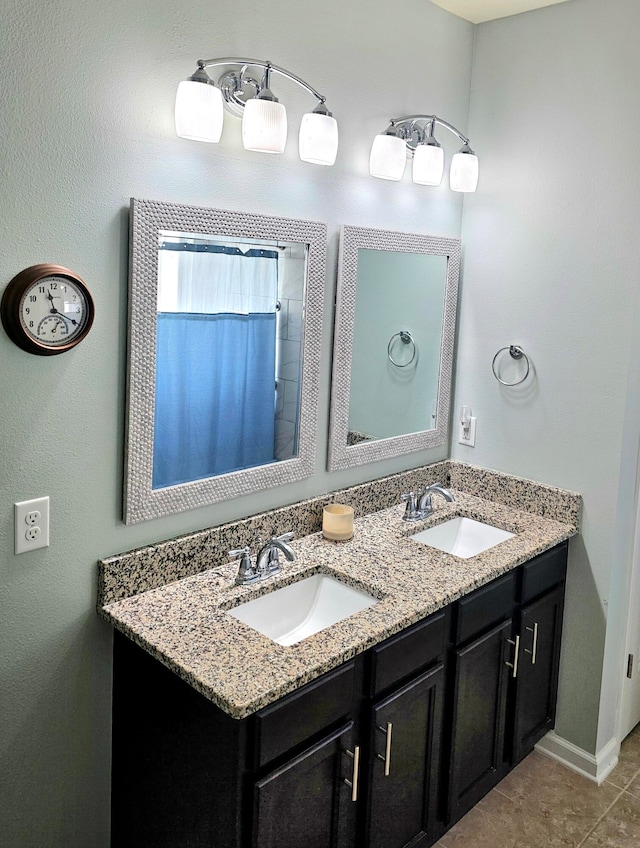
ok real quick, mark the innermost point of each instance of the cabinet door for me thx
(404, 759)
(537, 679)
(307, 802)
(479, 712)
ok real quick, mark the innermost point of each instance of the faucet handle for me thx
(410, 509)
(246, 570)
(286, 537)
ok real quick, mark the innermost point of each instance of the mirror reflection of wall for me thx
(396, 300)
(397, 332)
(228, 355)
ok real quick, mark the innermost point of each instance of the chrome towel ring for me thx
(406, 338)
(515, 352)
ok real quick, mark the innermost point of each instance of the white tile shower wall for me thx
(290, 289)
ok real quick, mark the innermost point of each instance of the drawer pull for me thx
(514, 664)
(353, 783)
(387, 750)
(534, 645)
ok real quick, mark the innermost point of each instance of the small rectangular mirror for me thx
(225, 318)
(393, 344)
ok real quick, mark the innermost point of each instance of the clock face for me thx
(47, 309)
(53, 311)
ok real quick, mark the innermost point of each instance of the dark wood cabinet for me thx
(537, 679)
(479, 701)
(406, 728)
(386, 751)
(307, 801)
(503, 683)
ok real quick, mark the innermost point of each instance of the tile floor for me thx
(542, 804)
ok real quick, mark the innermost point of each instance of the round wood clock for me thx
(47, 309)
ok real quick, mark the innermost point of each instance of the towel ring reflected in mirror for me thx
(515, 352)
(407, 339)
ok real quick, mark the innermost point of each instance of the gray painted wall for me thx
(88, 95)
(552, 261)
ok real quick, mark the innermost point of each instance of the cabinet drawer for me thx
(485, 607)
(543, 572)
(296, 717)
(409, 651)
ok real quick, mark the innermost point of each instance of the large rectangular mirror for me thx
(224, 352)
(393, 344)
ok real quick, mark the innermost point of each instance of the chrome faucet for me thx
(411, 510)
(420, 505)
(267, 559)
(425, 505)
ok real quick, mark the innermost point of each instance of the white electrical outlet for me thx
(31, 525)
(468, 436)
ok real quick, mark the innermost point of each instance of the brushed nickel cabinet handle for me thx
(514, 664)
(387, 750)
(534, 644)
(353, 783)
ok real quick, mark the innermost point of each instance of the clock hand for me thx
(55, 311)
(65, 317)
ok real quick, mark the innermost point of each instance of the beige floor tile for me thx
(541, 803)
(551, 790)
(497, 821)
(634, 787)
(620, 828)
(628, 762)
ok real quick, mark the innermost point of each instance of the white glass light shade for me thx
(264, 126)
(199, 111)
(388, 157)
(318, 139)
(428, 165)
(464, 172)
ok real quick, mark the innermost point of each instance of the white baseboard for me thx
(597, 767)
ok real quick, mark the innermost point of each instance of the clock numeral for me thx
(31, 323)
(41, 289)
(32, 298)
(54, 286)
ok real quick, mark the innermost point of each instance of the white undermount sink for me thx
(462, 537)
(290, 614)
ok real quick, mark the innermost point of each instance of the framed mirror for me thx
(393, 344)
(225, 317)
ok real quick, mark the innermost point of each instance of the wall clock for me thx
(47, 309)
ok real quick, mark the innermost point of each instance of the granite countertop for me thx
(185, 624)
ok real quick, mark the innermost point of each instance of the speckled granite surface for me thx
(546, 501)
(184, 624)
(147, 568)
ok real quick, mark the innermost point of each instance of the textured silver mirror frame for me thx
(148, 217)
(351, 240)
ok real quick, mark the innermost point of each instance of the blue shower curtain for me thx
(215, 394)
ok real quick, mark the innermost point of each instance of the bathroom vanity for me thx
(381, 730)
(386, 750)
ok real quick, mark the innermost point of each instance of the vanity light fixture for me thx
(413, 135)
(200, 104)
